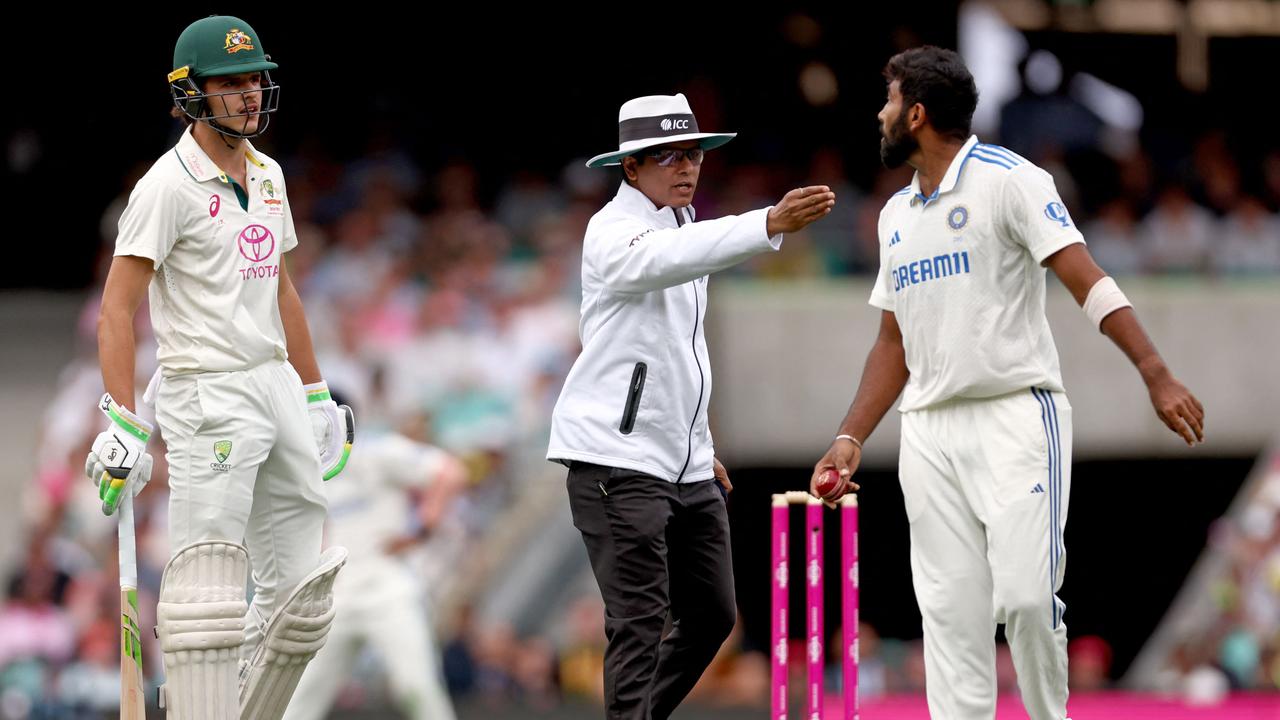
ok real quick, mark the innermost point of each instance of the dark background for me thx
(514, 90)
(506, 89)
(522, 89)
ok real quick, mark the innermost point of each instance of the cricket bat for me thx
(132, 696)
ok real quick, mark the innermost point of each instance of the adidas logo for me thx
(1037, 489)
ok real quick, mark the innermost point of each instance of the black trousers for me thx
(655, 547)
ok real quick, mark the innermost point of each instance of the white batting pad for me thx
(296, 631)
(200, 623)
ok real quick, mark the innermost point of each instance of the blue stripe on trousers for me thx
(1047, 423)
(1057, 469)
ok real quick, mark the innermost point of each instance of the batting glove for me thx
(119, 462)
(334, 427)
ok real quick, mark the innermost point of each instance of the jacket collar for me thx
(637, 202)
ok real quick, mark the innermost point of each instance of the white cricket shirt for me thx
(961, 272)
(370, 505)
(216, 249)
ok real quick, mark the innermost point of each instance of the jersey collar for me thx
(200, 167)
(949, 180)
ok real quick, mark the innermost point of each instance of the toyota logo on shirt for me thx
(256, 243)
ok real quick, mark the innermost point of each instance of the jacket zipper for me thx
(634, 391)
(702, 379)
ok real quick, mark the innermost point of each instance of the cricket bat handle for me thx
(132, 695)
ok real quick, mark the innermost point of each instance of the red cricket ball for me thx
(828, 481)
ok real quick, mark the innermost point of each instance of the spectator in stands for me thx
(1249, 241)
(1113, 238)
(1177, 232)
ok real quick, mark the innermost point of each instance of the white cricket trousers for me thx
(394, 625)
(986, 484)
(243, 467)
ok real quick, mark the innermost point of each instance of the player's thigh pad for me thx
(200, 623)
(218, 434)
(295, 632)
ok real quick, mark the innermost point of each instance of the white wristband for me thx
(125, 419)
(316, 392)
(851, 439)
(1104, 298)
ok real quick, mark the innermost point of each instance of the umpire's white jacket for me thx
(637, 396)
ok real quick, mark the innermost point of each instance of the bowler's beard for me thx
(897, 145)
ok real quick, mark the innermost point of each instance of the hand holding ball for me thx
(828, 483)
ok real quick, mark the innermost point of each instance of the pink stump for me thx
(814, 640)
(849, 597)
(778, 639)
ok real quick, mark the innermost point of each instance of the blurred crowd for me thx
(437, 301)
(1238, 647)
(1205, 214)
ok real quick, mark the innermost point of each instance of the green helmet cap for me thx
(218, 45)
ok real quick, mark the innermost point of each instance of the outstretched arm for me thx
(631, 257)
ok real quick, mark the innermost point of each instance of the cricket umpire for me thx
(645, 487)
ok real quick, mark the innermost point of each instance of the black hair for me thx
(938, 79)
(639, 155)
(186, 119)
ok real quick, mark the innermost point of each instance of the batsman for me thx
(250, 429)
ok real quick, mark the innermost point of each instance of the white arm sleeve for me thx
(629, 257)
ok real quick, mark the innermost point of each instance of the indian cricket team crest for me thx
(958, 217)
(237, 40)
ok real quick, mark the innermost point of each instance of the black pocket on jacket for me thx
(633, 399)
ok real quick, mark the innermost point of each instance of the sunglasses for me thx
(667, 157)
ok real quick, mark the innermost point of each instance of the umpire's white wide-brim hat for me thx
(656, 120)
